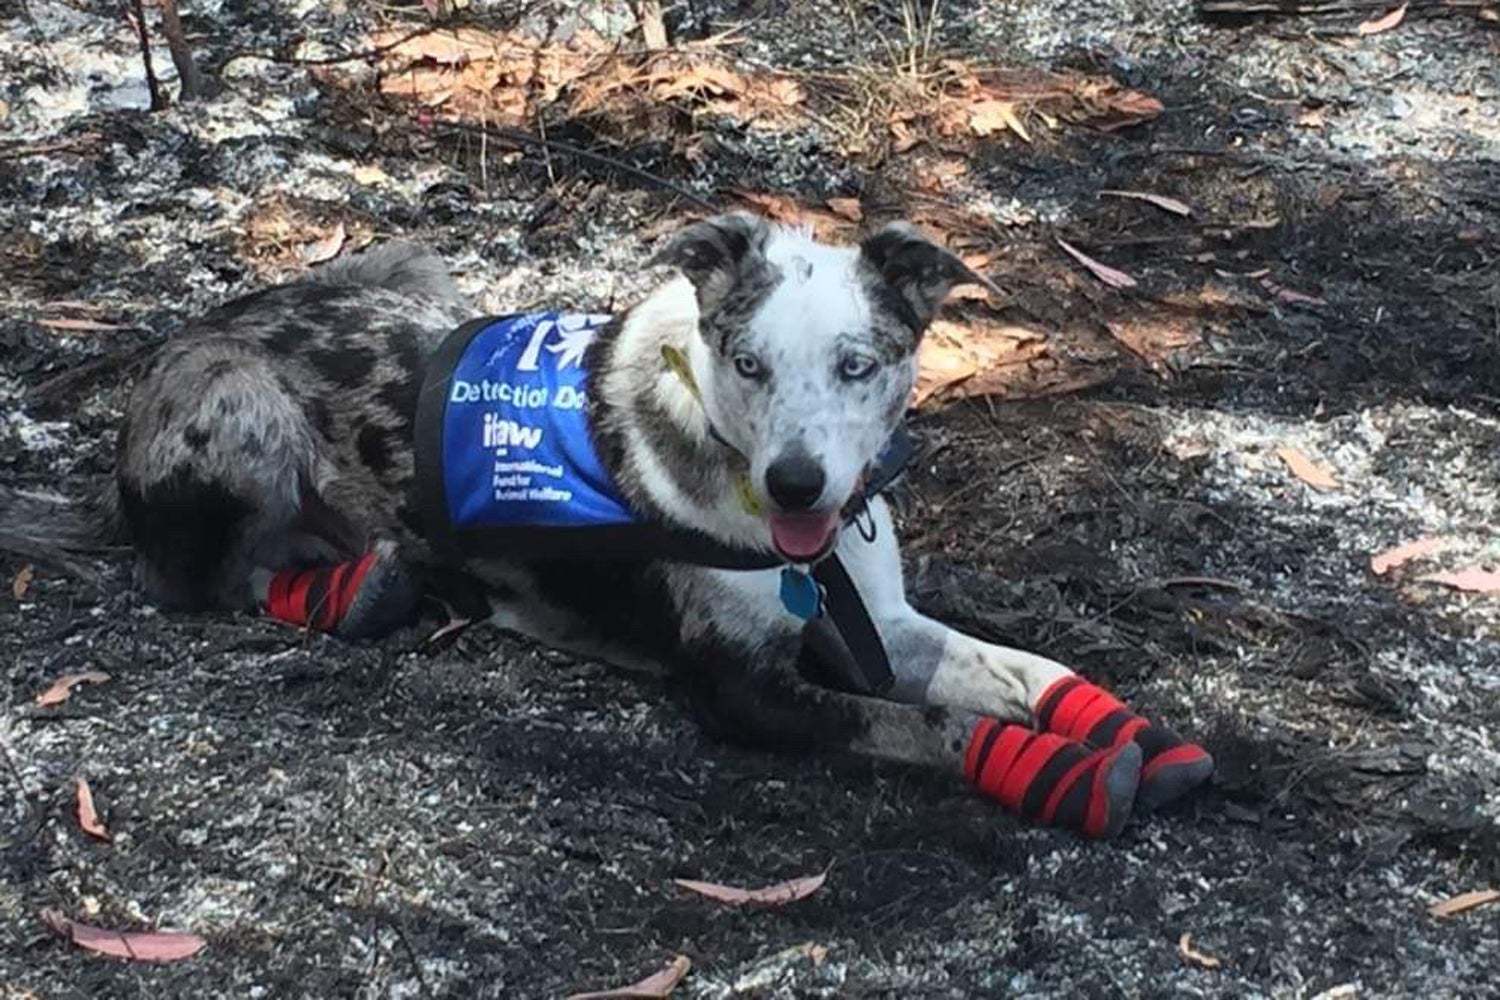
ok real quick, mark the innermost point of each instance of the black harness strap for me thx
(844, 638)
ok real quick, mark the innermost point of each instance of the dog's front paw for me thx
(1171, 767)
(1171, 770)
(1054, 781)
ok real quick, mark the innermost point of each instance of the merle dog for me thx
(267, 462)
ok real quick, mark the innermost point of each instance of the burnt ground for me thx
(476, 816)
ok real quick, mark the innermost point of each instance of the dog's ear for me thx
(715, 253)
(920, 270)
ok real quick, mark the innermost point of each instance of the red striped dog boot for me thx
(1171, 766)
(1054, 781)
(363, 598)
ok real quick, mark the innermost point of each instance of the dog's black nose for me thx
(795, 480)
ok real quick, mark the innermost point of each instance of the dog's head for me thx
(812, 355)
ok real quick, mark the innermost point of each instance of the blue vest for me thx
(506, 463)
(516, 444)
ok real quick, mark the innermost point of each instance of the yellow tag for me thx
(748, 499)
(679, 365)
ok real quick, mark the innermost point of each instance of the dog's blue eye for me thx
(856, 367)
(747, 365)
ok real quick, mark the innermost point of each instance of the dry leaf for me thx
(1210, 298)
(1473, 579)
(1155, 338)
(1288, 295)
(825, 225)
(782, 89)
(973, 359)
(969, 293)
(1385, 22)
(657, 985)
(1130, 107)
(453, 625)
(762, 99)
(1327, 196)
(88, 817)
(1463, 902)
(327, 248)
(1159, 200)
(772, 895)
(939, 177)
(503, 78)
(1319, 477)
(777, 207)
(78, 304)
(984, 101)
(1343, 991)
(846, 208)
(370, 174)
(979, 357)
(1105, 273)
(139, 946)
(703, 80)
(903, 139)
(989, 117)
(1388, 560)
(62, 688)
(1312, 118)
(78, 325)
(22, 581)
(1193, 956)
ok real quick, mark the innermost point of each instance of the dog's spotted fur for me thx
(278, 432)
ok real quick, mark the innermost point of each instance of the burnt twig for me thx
(41, 148)
(88, 371)
(1200, 581)
(137, 18)
(193, 83)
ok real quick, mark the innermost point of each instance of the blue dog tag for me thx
(800, 594)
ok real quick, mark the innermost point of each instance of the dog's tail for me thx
(49, 528)
(399, 266)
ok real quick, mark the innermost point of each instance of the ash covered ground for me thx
(477, 816)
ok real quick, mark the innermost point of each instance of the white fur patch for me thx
(819, 310)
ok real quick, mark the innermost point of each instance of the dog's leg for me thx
(938, 665)
(363, 598)
(216, 471)
(340, 569)
(739, 660)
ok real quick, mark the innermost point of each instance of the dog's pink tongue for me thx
(802, 536)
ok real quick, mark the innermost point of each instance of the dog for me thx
(267, 462)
